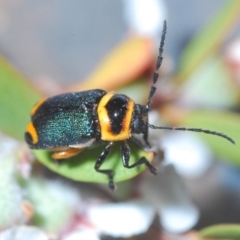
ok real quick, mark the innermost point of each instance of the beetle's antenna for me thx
(194, 130)
(158, 65)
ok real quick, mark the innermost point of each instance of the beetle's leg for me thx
(139, 143)
(66, 153)
(100, 161)
(125, 150)
(145, 137)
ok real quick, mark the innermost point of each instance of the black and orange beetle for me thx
(68, 123)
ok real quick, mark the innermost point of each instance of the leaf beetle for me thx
(68, 123)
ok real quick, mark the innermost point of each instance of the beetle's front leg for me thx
(125, 150)
(145, 138)
(100, 161)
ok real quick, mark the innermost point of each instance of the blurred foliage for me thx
(219, 120)
(17, 97)
(121, 66)
(207, 41)
(221, 231)
(211, 85)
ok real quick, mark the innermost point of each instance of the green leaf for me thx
(63, 205)
(17, 97)
(223, 122)
(81, 167)
(213, 80)
(207, 41)
(221, 231)
(133, 89)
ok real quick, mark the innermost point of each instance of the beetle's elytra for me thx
(68, 123)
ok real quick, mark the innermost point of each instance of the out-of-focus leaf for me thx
(63, 205)
(81, 167)
(17, 97)
(137, 90)
(223, 122)
(208, 40)
(125, 63)
(221, 231)
(213, 80)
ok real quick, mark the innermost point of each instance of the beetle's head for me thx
(139, 122)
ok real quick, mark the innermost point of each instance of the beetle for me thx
(68, 123)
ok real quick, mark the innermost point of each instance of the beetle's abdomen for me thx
(115, 114)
